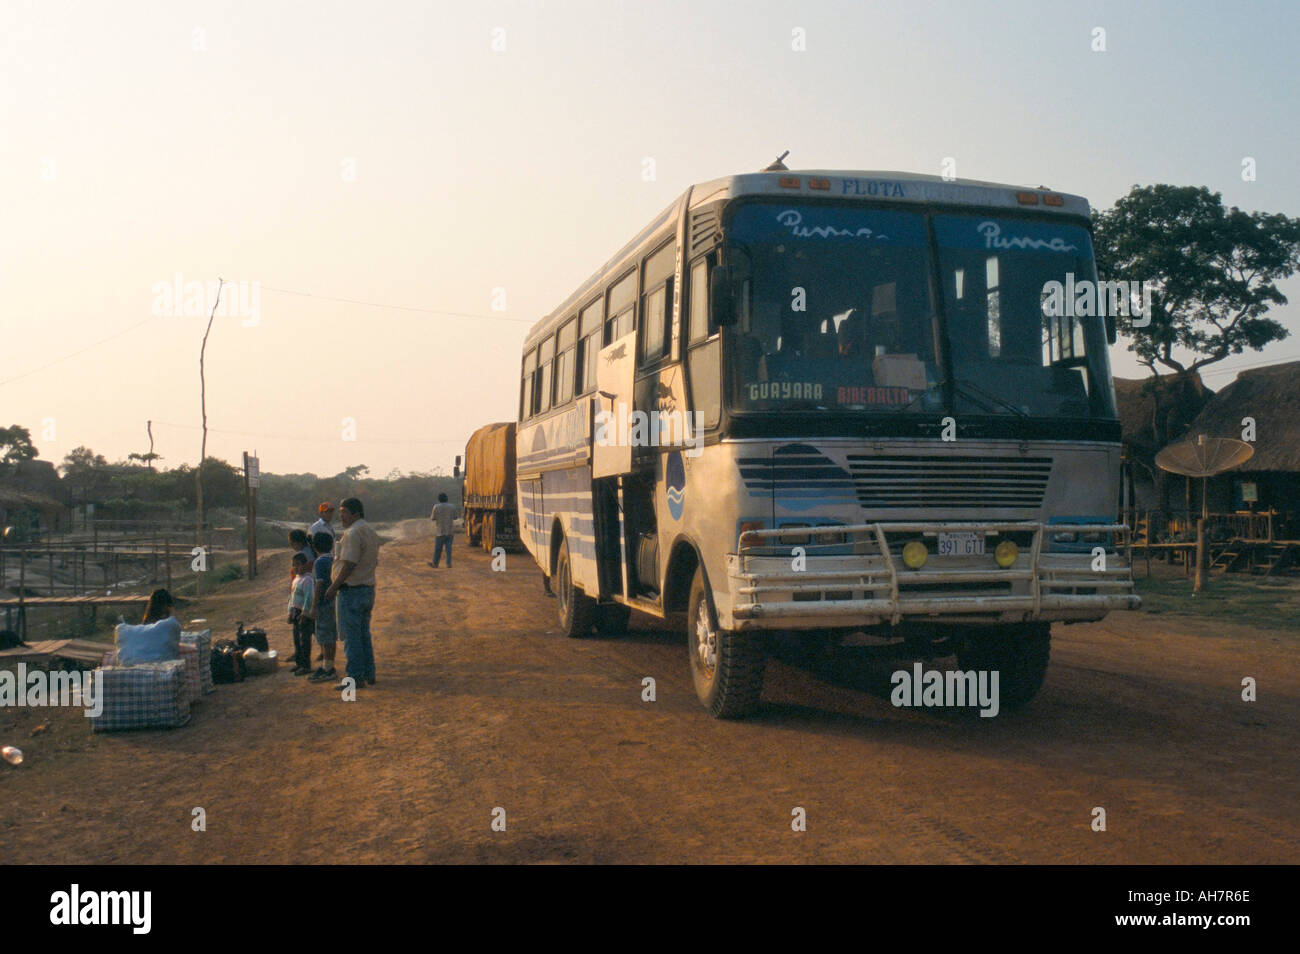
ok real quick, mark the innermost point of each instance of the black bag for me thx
(254, 638)
(227, 662)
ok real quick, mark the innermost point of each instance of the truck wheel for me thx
(473, 531)
(489, 532)
(574, 605)
(611, 619)
(727, 668)
(1018, 654)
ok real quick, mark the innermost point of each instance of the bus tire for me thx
(472, 529)
(611, 619)
(727, 668)
(489, 532)
(1019, 654)
(576, 607)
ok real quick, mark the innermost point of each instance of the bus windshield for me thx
(839, 314)
(1008, 354)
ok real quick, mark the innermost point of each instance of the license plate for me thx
(961, 544)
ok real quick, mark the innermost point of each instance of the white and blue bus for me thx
(881, 430)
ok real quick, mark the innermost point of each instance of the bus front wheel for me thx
(576, 607)
(727, 668)
(1019, 654)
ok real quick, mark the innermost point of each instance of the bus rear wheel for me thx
(576, 607)
(1019, 654)
(472, 529)
(727, 668)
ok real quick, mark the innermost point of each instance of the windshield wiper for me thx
(969, 386)
(972, 393)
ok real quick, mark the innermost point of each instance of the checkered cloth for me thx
(147, 696)
(193, 677)
(193, 669)
(202, 640)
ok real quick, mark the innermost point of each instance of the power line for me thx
(315, 439)
(282, 291)
(73, 354)
(379, 304)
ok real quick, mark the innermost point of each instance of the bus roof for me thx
(904, 188)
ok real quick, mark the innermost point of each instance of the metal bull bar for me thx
(861, 581)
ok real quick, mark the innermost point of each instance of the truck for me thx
(490, 510)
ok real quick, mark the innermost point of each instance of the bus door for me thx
(611, 459)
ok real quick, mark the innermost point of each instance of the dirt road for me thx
(480, 705)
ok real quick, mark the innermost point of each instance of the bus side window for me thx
(526, 388)
(699, 299)
(545, 356)
(590, 326)
(657, 293)
(622, 308)
(564, 362)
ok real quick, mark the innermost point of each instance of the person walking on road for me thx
(352, 587)
(443, 517)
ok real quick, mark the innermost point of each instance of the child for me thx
(299, 602)
(322, 610)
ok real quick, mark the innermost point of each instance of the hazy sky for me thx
(385, 152)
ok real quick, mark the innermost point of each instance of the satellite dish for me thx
(1204, 456)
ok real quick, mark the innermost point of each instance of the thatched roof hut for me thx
(1271, 397)
(1270, 479)
(1155, 411)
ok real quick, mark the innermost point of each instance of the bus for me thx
(833, 408)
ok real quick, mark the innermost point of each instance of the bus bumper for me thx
(854, 576)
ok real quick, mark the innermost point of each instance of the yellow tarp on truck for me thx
(490, 466)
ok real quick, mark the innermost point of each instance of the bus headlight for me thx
(915, 554)
(1006, 553)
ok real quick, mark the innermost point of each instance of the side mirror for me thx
(722, 304)
(1112, 333)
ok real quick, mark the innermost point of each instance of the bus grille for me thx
(949, 482)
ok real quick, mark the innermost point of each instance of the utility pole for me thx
(203, 447)
(252, 476)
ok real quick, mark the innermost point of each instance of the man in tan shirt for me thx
(352, 587)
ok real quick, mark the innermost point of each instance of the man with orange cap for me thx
(323, 525)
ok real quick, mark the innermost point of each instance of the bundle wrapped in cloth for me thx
(201, 640)
(144, 696)
(193, 671)
(148, 642)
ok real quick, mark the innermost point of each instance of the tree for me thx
(1215, 271)
(86, 475)
(16, 445)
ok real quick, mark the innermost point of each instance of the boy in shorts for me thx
(322, 610)
(300, 600)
